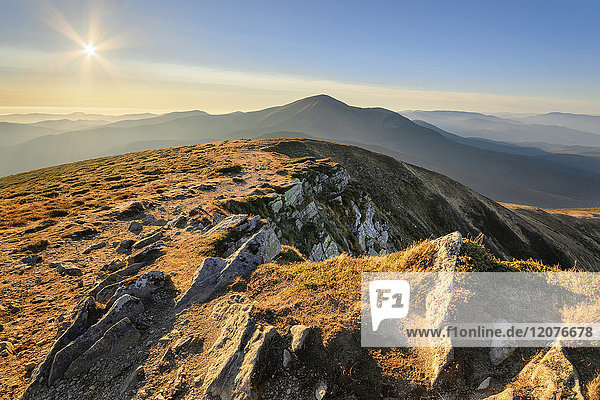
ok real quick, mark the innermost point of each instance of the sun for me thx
(89, 49)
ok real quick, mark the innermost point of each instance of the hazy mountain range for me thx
(475, 149)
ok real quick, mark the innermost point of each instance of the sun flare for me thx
(89, 49)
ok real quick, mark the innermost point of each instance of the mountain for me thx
(11, 134)
(582, 122)
(69, 125)
(483, 126)
(38, 117)
(236, 265)
(572, 181)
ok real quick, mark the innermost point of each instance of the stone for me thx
(116, 339)
(96, 246)
(228, 223)
(79, 232)
(142, 288)
(6, 348)
(73, 271)
(499, 354)
(485, 384)
(216, 273)
(237, 355)
(554, 376)
(125, 246)
(32, 259)
(287, 358)
(147, 255)
(293, 196)
(321, 390)
(148, 240)
(130, 209)
(125, 306)
(135, 227)
(299, 335)
(179, 222)
(136, 376)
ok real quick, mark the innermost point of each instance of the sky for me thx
(223, 56)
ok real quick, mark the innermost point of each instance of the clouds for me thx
(40, 79)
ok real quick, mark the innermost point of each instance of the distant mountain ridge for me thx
(545, 180)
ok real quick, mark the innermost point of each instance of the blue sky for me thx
(507, 56)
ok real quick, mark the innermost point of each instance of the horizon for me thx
(137, 56)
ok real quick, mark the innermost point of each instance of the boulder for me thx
(32, 259)
(135, 227)
(217, 273)
(96, 246)
(237, 355)
(131, 209)
(125, 306)
(299, 335)
(142, 288)
(125, 246)
(148, 240)
(147, 255)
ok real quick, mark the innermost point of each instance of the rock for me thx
(141, 288)
(299, 335)
(148, 240)
(131, 209)
(147, 255)
(135, 227)
(82, 321)
(499, 354)
(125, 306)
(30, 366)
(73, 271)
(217, 273)
(31, 259)
(438, 302)
(114, 265)
(105, 289)
(79, 232)
(116, 339)
(179, 223)
(287, 358)
(96, 246)
(554, 376)
(321, 390)
(293, 196)
(125, 246)
(325, 250)
(485, 384)
(448, 249)
(236, 355)
(228, 223)
(184, 344)
(138, 375)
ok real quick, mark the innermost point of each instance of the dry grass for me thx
(593, 388)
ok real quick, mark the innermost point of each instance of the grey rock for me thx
(485, 384)
(96, 246)
(80, 324)
(179, 222)
(148, 240)
(125, 246)
(293, 196)
(116, 339)
(141, 288)
(103, 290)
(217, 273)
(228, 223)
(73, 271)
(126, 306)
(135, 227)
(32, 259)
(130, 209)
(147, 255)
(237, 355)
(299, 335)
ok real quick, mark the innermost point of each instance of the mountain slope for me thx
(515, 178)
(469, 124)
(74, 235)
